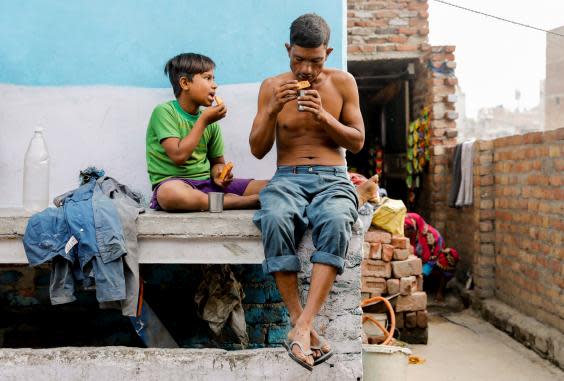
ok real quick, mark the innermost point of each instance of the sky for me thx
(494, 58)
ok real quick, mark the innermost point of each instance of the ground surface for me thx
(463, 347)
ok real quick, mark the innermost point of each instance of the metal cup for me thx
(301, 93)
(215, 202)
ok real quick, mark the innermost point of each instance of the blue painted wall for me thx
(127, 42)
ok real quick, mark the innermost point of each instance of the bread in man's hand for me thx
(303, 85)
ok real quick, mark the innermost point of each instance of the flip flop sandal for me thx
(324, 355)
(296, 358)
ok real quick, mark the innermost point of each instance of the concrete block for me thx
(414, 335)
(410, 320)
(375, 268)
(400, 242)
(411, 266)
(400, 254)
(375, 286)
(393, 286)
(408, 285)
(377, 236)
(375, 250)
(387, 252)
(422, 319)
(417, 301)
(419, 282)
(400, 319)
(365, 250)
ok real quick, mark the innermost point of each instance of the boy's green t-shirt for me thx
(169, 120)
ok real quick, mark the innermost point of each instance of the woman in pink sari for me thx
(429, 246)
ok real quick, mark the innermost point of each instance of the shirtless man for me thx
(311, 186)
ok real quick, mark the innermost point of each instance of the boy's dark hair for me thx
(186, 65)
(309, 31)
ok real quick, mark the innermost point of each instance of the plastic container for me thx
(384, 362)
(36, 174)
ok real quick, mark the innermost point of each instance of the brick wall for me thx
(471, 230)
(517, 224)
(442, 84)
(379, 29)
(529, 224)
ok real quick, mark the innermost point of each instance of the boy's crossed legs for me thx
(179, 194)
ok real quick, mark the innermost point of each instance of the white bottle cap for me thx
(38, 129)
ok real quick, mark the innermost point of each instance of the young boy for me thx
(185, 147)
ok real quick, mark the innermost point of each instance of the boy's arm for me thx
(179, 150)
(348, 130)
(272, 98)
(217, 165)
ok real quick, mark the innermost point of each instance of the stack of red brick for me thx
(389, 267)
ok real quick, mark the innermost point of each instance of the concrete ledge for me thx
(229, 237)
(121, 363)
(164, 237)
(547, 342)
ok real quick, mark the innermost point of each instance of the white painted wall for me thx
(105, 126)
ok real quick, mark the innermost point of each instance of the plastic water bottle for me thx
(36, 174)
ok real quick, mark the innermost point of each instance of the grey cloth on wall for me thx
(456, 176)
(220, 301)
(465, 192)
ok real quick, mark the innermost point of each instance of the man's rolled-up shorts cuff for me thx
(329, 259)
(288, 263)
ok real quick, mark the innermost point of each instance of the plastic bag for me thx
(390, 216)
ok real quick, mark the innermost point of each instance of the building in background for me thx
(554, 86)
(495, 122)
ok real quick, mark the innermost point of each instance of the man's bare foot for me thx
(315, 341)
(368, 190)
(302, 336)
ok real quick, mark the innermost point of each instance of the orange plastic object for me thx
(389, 334)
(226, 170)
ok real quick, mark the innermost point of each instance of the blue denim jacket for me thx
(87, 232)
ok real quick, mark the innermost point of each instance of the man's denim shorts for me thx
(320, 197)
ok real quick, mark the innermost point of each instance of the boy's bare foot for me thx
(233, 201)
(368, 191)
(301, 335)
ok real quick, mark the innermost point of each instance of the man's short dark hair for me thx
(186, 65)
(309, 31)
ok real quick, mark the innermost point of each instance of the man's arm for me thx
(348, 131)
(271, 100)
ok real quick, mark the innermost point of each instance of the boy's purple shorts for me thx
(237, 187)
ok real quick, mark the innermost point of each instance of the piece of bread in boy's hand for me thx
(225, 171)
(303, 85)
(218, 100)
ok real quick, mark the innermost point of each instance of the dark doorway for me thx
(386, 105)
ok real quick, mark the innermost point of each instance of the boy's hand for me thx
(217, 169)
(214, 113)
(283, 93)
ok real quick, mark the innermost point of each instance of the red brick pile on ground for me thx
(389, 267)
